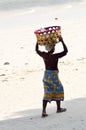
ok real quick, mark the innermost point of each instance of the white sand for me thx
(21, 88)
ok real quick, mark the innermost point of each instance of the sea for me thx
(18, 4)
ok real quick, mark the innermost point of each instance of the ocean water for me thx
(17, 4)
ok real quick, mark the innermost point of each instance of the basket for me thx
(48, 35)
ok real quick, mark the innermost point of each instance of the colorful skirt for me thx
(53, 89)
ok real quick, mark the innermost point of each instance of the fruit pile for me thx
(48, 35)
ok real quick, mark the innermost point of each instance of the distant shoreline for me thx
(12, 5)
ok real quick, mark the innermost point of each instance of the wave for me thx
(17, 4)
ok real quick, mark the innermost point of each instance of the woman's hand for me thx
(60, 39)
(36, 47)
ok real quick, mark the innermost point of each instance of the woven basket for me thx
(48, 35)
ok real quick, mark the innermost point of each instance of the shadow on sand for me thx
(73, 119)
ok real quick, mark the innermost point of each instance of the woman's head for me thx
(50, 48)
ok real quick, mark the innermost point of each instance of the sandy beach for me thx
(21, 69)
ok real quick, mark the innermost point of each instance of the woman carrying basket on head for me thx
(53, 88)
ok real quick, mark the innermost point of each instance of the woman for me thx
(53, 89)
